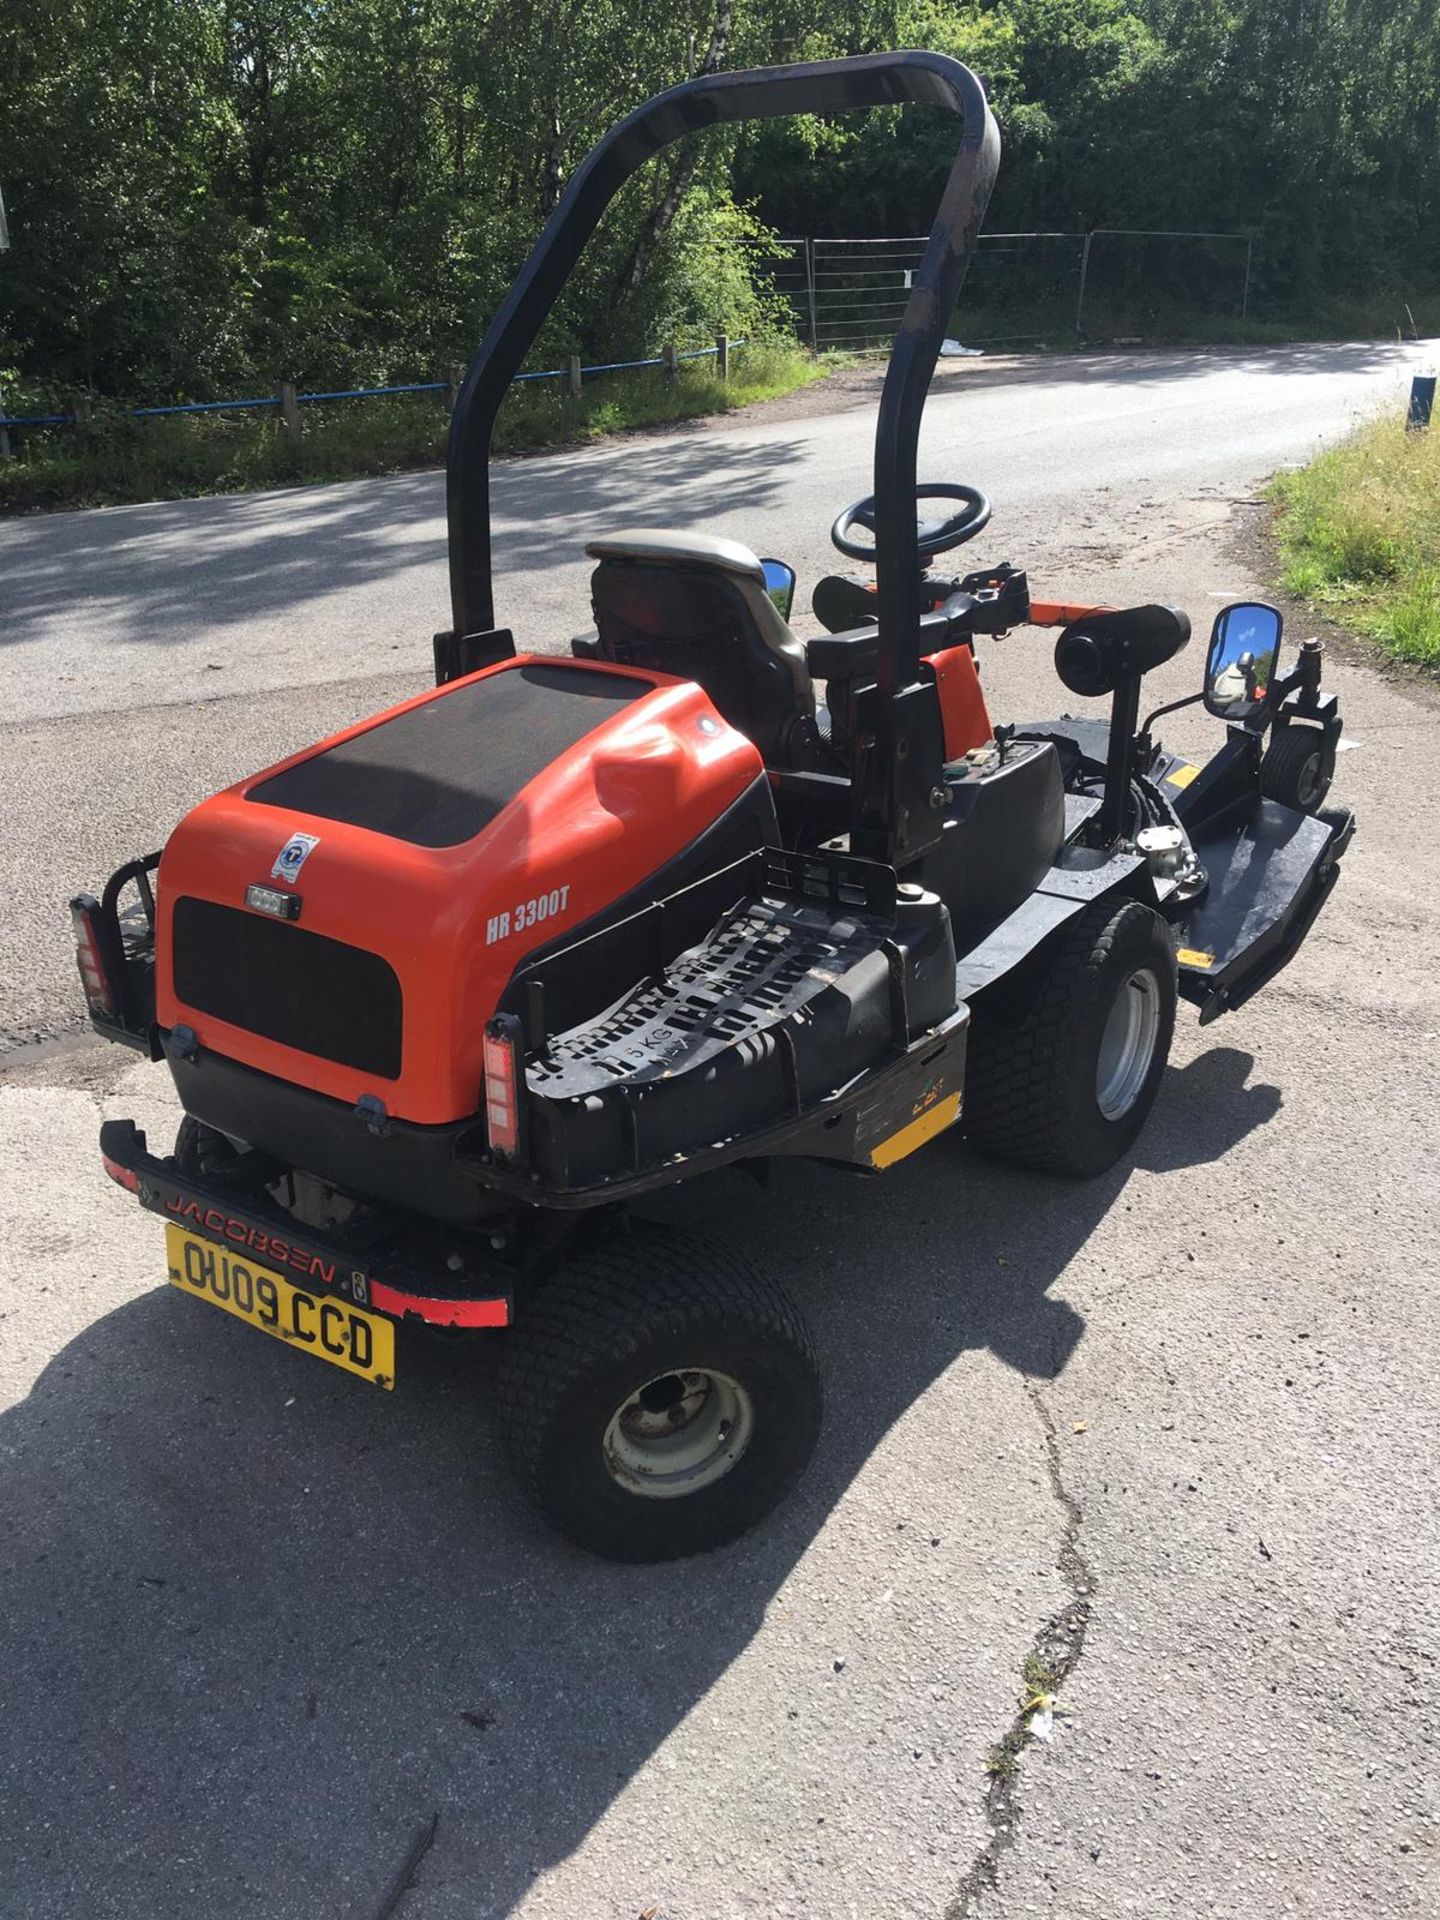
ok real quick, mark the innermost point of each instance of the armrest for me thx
(841, 656)
(848, 656)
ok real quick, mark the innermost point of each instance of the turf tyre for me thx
(200, 1149)
(1031, 1082)
(638, 1308)
(1296, 769)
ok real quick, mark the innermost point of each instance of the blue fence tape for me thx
(346, 393)
(369, 393)
(619, 366)
(201, 406)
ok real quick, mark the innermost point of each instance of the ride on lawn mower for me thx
(443, 995)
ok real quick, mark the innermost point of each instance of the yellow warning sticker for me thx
(1182, 776)
(1190, 957)
(944, 1113)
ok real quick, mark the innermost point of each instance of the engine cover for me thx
(423, 854)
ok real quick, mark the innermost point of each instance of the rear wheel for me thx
(658, 1398)
(1296, 769)
(1064, 1083)
(200, 1149)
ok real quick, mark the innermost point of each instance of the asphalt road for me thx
(258, 1627)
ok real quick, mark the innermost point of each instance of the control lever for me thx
(959, 610)
(999, 598)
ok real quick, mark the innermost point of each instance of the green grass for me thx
(1359, 532)
(178, 458)
(1038, 1676)
(1003, 1760)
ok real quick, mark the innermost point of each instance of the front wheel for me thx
(1064, 1083)
(1297, 768)
(658, 1398)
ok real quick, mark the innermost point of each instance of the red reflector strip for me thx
(439, 1313)
(122, 1176)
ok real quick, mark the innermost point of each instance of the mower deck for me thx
(1267, 884)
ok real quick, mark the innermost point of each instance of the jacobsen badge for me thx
(293, 855)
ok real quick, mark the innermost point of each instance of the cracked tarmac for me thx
(1054, 1653)
(261, 1627)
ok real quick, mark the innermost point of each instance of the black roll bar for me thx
(822, 86)
(885, 802)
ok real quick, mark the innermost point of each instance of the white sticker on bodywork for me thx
(293, 855)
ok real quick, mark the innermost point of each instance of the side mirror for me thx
(780, 585)
(1244, 650)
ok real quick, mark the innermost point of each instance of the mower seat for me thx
(695, 605)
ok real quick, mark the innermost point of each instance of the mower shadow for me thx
(248, 1609)
(164, 572)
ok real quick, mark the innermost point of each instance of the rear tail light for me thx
(99, 992)
(501, 1067)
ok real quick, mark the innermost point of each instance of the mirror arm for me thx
(1190, 700)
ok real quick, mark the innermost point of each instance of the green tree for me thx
(206, 193)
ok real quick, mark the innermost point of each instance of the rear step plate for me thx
(806, 984)
(762, 964)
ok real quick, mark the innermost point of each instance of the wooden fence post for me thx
(572, 377)
(77, 414)
(453, 377)
(722, 355)
(1084, 276)
(672, 362)
(289, 407)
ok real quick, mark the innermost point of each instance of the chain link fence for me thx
(1023, 289)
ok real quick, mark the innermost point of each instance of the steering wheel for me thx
(933, 536)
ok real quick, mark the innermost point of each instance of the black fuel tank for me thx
(1004, 826)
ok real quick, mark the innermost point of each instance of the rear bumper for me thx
(394, 1163)
(375, 1269)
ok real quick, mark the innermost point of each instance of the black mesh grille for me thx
(301, 989)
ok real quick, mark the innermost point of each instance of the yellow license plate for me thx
(330, 1328)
